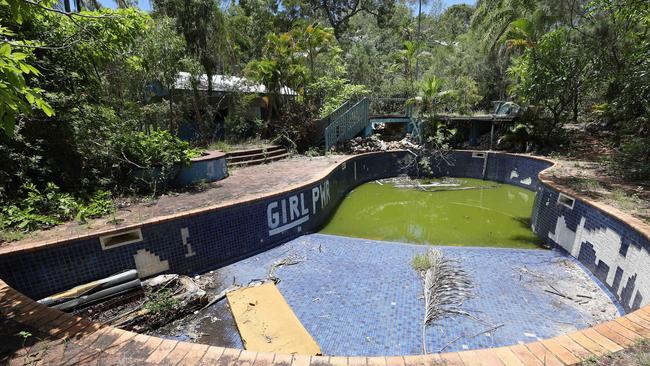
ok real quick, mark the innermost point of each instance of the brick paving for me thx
(243, 183)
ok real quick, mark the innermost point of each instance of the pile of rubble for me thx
(482, 143)
(159, 301)
(360, 145)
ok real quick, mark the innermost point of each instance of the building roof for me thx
(225, 83)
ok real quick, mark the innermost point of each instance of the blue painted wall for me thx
(209, 170)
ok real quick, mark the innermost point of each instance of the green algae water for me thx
(463, 212)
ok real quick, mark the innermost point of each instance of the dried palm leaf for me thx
(446, 286)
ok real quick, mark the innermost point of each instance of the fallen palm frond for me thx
(446, 286)
(288, 261)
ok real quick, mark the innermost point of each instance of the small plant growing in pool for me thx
(421, 262)
(161, 302)
(24, 335)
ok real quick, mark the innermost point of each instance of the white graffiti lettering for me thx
(287, 213)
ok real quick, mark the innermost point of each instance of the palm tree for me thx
(429, 93)
(524, 33)
(408, 56)
(493, 17)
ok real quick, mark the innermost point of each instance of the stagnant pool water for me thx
(465, 212)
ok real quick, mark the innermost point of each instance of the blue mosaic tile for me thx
(361, 297)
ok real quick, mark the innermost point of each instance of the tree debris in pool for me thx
(446, 286)
(169, 301)
(584, 293)
(161, 300)
(432, 185)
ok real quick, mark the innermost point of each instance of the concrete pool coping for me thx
(98, 340)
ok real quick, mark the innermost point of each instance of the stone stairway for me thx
(239, 158)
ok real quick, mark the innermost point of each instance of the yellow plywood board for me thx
(266, 323)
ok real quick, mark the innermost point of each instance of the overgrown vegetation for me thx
(49, 207)
(91, 99)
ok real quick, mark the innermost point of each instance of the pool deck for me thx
(242, 184)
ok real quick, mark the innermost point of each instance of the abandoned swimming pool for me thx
(362, 297)
(603, 243)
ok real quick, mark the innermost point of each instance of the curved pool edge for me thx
(99, 342)
(97, 339)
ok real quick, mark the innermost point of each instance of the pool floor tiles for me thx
(360, 297)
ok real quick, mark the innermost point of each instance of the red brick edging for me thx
(95, 342)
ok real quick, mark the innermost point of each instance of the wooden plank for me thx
(640, 321)
(266, 323)
(587, 343)
(525, 356)
(543, 354)
(573, 347)
(608, 344)
(620, 329)
(470, 358)
(560, 352)
(489, 358)
(610, 334)
(643, 314)
(627, 323)
(452, 359)
(508, 357)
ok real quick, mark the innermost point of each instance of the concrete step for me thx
(254, 151)
(256, 155)
(261, 160)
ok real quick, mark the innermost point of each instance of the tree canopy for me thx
(78, 82)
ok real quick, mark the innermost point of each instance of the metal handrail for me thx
(347, 124)
(341, 109)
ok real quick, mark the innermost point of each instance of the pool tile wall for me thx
(518, 170)
(612, 249)
(201, 241)
(616, 253)
(209, 168)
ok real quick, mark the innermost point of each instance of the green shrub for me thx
(100, 204)
(517, 137)
(161, 302)
(421, 262)
(152, 160)
(436, 131)
(41, 209)
(631, 161)
(156, 149)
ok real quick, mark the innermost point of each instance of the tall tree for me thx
(339, 12)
